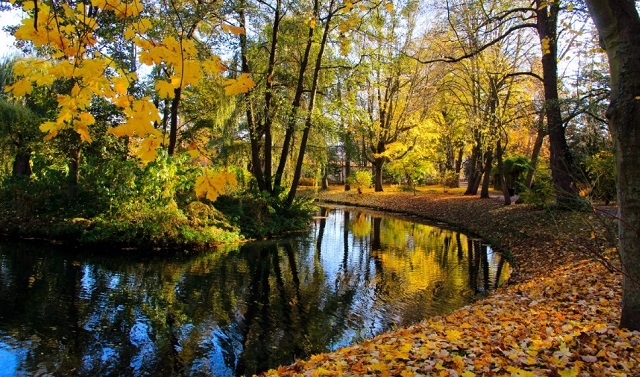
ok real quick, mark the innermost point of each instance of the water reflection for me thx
(352, 276)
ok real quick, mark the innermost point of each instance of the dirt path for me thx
(557, 317)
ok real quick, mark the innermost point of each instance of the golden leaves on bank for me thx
(563, 325)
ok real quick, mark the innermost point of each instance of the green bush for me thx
(261, 215)
(601, 169)
(542, 191)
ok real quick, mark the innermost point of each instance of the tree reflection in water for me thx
(353, 275)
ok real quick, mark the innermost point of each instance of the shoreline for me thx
(558, 315)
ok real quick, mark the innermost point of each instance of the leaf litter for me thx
(557, 317)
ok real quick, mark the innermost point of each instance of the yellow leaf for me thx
(83, 131)
(20, 88)
(348, 6)
(573, 372)
(389, 6)
(211, 184)
(214, 66)
(517, 372)
(312, 23)
(453, 335)
(120, 85)
(235, 30)
(148, 149)
(129, 32)
(242, 84)
(51, 128)
(165, 89)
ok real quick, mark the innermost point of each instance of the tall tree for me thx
(397, 93)
(619, 26)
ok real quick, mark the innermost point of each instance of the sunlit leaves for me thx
(67, 34)
(212, 183)
(240, 85)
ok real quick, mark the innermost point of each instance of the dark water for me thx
(355, 274)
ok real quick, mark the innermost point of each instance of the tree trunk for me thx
(255, 133)
(561, 160)
(347, 169)
(74, 166)
(173, 125)
(472, 185)
(535, 153)
(488, 163)
(22, 164)
(619, 26)
(503, 181)
(377, 165)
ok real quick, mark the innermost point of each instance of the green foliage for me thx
(260, 215)
(514, 169)
(361, 179)
(116, 202)
(601, 169)
(542, 192)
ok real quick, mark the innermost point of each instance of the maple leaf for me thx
(165, 89)
(51, 128)
(214, 66)
(212, 183)
(573, 372)
(20, 88)
(148, 149)
(242, 84)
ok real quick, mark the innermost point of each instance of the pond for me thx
(353, 275)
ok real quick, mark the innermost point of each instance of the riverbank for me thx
(557, 317)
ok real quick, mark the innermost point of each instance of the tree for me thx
(619, 26)
(397, 93)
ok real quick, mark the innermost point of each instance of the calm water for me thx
(355, 274)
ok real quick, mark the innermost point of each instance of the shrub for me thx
(361, 179)
(542, 192)
(601, 169)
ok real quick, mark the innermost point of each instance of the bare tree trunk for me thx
(619, 26)
(377, 165)
(535, 153)
(22, 164)
(474, 175)
(488, 163)
(173, 125)
(503, 181)
(561, 159)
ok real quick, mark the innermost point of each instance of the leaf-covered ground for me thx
(557, 317)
